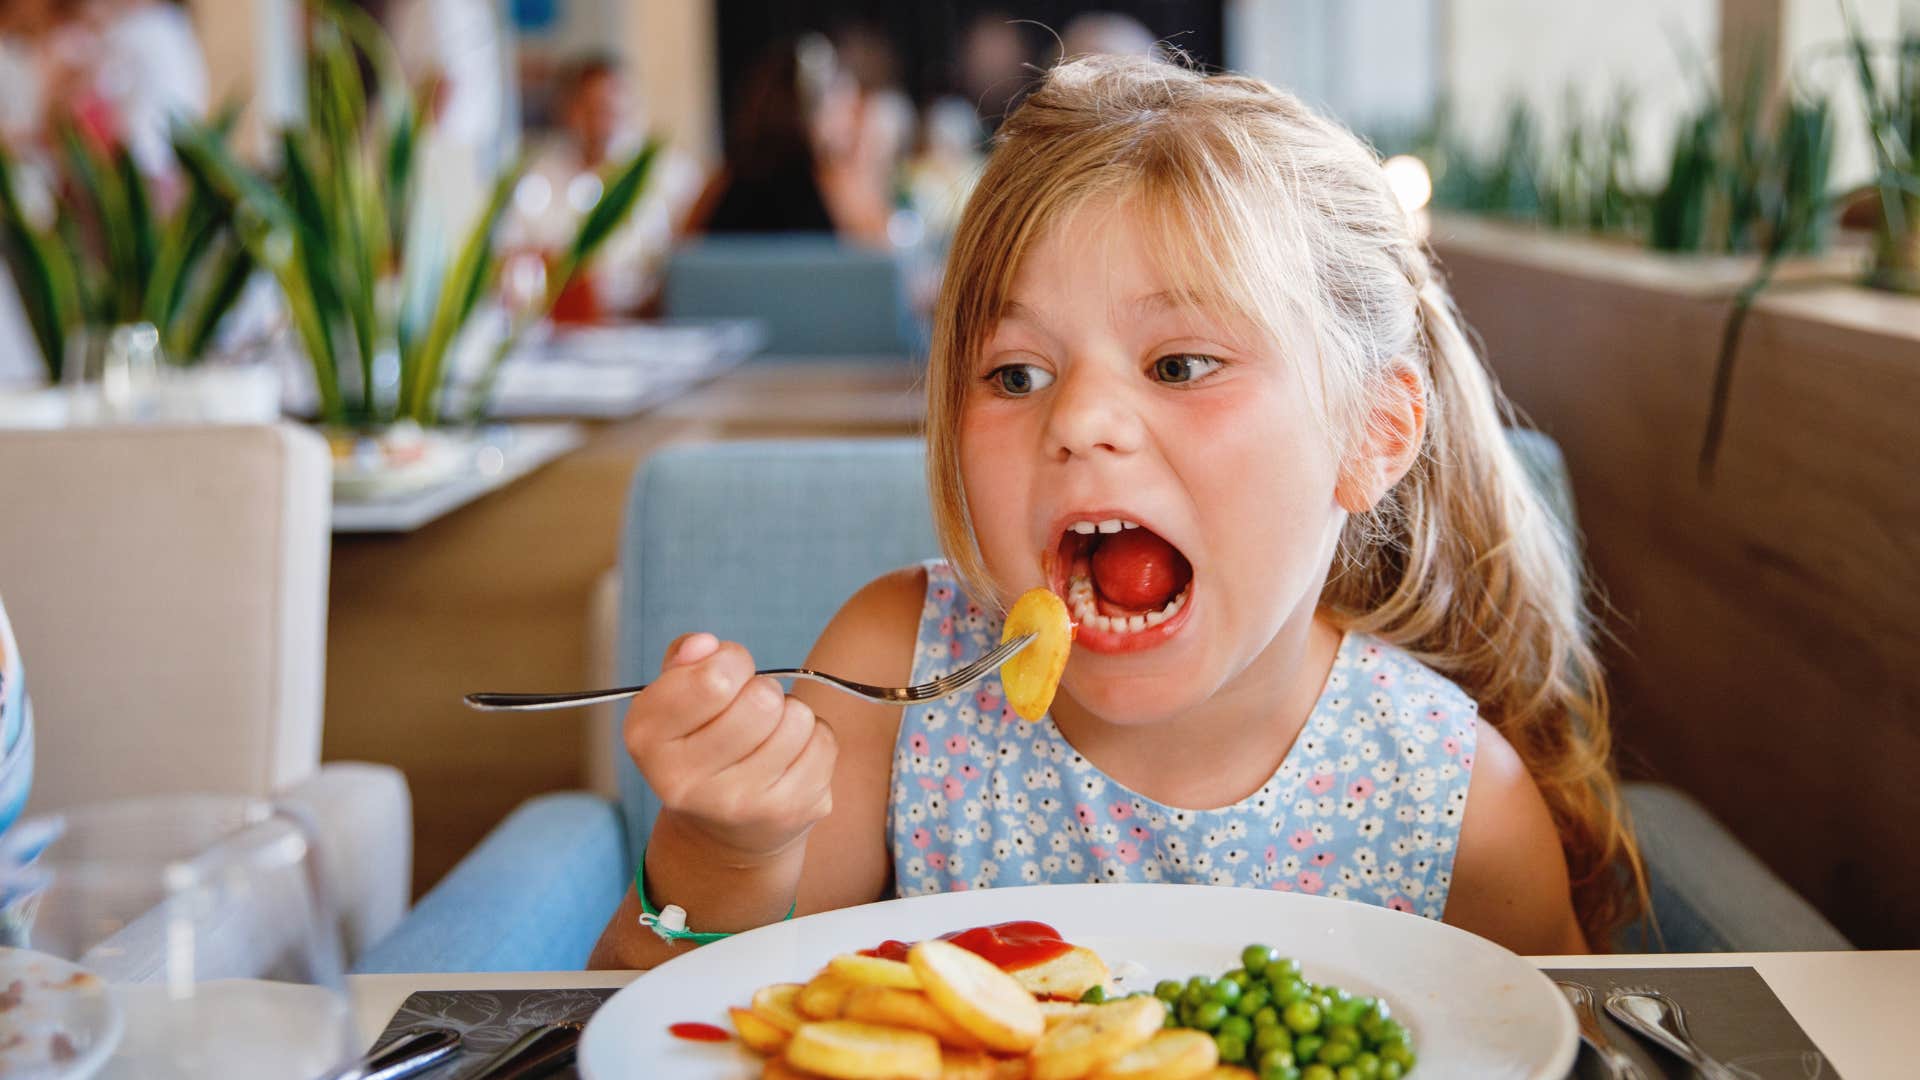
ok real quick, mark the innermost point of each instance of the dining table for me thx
(1854, 1005)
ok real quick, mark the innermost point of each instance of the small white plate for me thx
(55, 999)
(1474, 1009)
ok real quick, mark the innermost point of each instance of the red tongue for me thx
(1136, 569)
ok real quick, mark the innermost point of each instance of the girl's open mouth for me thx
(1126, 587)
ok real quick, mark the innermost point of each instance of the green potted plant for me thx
(1893, 126)
(338, 223)
(106, 249)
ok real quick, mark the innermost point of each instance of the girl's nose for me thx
(1092, 412)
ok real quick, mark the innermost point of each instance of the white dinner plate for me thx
(57, 1021)
(1473, 1008)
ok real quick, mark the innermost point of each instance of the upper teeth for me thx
(1111, 525)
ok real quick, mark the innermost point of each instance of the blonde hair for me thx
(1461, 563)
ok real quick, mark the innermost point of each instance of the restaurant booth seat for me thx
(760, 542)
(814, 295)
(168, 589)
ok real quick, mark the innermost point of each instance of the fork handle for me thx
(491, 701)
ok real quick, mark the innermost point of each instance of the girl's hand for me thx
(730, 755)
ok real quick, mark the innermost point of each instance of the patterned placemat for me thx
(1731, 1012)
(489, 1020)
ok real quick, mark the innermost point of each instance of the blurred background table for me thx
(492, 596)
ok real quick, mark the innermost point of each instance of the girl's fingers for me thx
(769, 761)
(726, 740)
(808, 781)
(688, 649)
(686, 697)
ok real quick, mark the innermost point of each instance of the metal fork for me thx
(1618, 1065)
(959, 679)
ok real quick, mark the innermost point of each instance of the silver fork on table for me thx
(959, 679)
(1618, 1065)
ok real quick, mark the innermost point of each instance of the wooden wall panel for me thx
(1767, 652)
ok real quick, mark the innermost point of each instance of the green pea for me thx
(1335, 1053)
(1255, 958)
(1226, 992)
(1345, 1033)
(1349, 1011)
(1317, 1071)
(1266, 1018)
(1369, 1065)
(1346, 1072)
(1172, 1020)
(1397, 1052)
(1284, 1072)
(1233, 1049)
(1277, 1062)
(1302, 1016)
(1239, 1027)
(1393, 1031)
(1199, 984)
(1391, 1070)
(1238, 977)
(1307, 1047)
(1268, 1039)
(1252, 1001)
(1282, 967)
(1168, 990)
(1208, 1017)
(1095, 995)
(1288, 991)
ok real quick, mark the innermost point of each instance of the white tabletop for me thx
(505, 455)
(1854, 1005)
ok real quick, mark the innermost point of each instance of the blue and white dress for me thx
(1366, 805)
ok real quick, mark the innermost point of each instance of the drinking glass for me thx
(113, 373)
(203, 932)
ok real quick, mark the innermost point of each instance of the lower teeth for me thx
(1080, 601)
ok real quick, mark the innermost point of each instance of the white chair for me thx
(168, 588)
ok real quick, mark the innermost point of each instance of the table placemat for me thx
(1731, 1012)
(489, 1021)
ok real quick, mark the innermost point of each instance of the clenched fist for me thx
(729, 753)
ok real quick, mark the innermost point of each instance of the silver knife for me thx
(414, 1050)
(539, 1051)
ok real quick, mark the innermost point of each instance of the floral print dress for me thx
(1366, 805)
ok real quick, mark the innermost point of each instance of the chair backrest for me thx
(760, 543)
(815, 296)
(168, 589)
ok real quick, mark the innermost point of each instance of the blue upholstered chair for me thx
(814, 295)
(760, 543)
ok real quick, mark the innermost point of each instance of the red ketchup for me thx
(1010, 946)
(699, 1033)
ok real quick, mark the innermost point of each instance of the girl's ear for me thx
(1396, 425)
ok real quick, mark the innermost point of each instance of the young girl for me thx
(1192, 371)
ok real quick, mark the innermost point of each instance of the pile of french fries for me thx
(948, 1014)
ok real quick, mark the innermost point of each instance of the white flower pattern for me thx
(1383, 764)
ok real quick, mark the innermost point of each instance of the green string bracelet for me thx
(671, 923)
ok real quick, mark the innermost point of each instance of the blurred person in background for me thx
(594, 131)
(996, 63)
(791, 156)
(1108, 33)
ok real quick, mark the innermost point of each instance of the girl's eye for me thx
(1019, 380)
(1184, 368)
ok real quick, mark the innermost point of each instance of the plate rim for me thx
(1566, 1048)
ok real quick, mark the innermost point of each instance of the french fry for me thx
(776, 1068)
(874, 971)
(909, 1009)
(1056, 1012)
(1173, 1054)
(775, 1005)
(823, 998)
(849, 1050)
(978, 996)
(978, 1065)
(1068, 975)
(1084, 1042)
(760, 1036)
